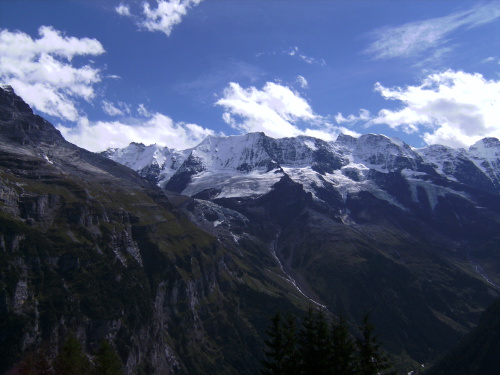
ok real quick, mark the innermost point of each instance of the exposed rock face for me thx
(477, 353)
(88, 246)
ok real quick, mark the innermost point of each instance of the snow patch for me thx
(310, 145)
(234, 184)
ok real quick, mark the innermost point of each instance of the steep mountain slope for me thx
(478, 352)
(88, 246)
(359, 224)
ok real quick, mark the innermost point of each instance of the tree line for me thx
(321, 348)
(71, 359)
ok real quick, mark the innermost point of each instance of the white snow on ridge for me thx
(249, 165)
(432, 191)
(311, 145)
(442, 158)
(346, 185)
(485, 154)
(311, 180)
(138, 156)
(232, 185)
(377, 152)
(304, 176)
(230, 153)
(488, 148)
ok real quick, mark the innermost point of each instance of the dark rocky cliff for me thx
(88, 246)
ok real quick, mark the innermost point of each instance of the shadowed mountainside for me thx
(88, 246)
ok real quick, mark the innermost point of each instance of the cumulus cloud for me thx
(275, 110)
(453, 108)
(163, 18)
(43, 73)
(414, 38)
(272, 110)
(159, 129)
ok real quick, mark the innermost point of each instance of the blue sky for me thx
(108, 72)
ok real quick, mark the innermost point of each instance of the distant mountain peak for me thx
(486, 147)
(10, 101)
(18, 122)
(241, 165)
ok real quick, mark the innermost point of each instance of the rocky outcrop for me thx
(88, 246)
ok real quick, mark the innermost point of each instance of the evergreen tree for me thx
(107, 361)
(307, 340)
(371, 359)
(71, 359)
(273, 363)
(290, 354)
(315, 345)
(343, 349)
(318, 350)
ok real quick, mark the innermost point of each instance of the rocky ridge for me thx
(88, 246)
(343, 163)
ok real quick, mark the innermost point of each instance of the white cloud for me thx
(491, 59)
(123, 10)
(414, 38)
(159, 129)
(302, 82)
(163, 18)
(271, 110)
(41, 70)
(454, 108)
(294, 51)
(112, 109)
(143, 111)
(275, 110)
(329, 132)
(364, 115)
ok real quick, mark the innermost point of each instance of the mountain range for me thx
(180, 257)
(345, 163)
(358, 224)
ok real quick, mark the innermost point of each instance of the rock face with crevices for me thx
(90, 247)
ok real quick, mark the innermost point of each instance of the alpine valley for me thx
(180, 257)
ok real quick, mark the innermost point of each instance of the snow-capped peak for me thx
(486, 155)
(486, 148)
(249, 165)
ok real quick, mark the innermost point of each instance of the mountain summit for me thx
(251, 164)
